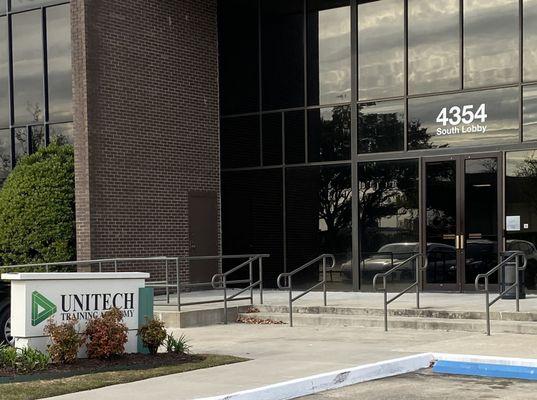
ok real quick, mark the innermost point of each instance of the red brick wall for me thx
(146, 120)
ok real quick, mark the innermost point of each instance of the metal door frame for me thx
(461, 234)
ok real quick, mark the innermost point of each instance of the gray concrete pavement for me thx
(424, 385)
(280, 353)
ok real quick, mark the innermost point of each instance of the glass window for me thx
(5, 154)
(27, 67)
(17, 5)
(329, 136)
(490, 42)
(464, 119)
(4, 74)
(433, 46)
(529, 127)
(381, 49)
(252, 217)
(329, 52)
(21, 142)
(62, 133)
(530, 38)
(238, 56)
(381, 126)
(521, 201)
(272, 138)
(388, 217)
(59, 63)
(295, 137)
(318, 220)
(239, 139)
(282, 58)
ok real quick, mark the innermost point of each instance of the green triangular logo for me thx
(42, 308)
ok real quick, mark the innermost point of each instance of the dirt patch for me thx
(257, 321)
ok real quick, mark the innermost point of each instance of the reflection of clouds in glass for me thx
(530, 38)
(529, 127)
(59, 63)
(380, 49)
(501, 109)
(490, 42)
(515, 160)
(433, 40)
(27, 67)
(334, 55)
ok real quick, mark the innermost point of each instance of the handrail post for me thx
(289, 281)
(261, 280)
(324, 280)
(385, 304)
(250, 267)
(100, 267)
(488, 305)
(167, 286)
(115, 266)
(517, 289)
(225, 298)
(178, 285)
(419, 260)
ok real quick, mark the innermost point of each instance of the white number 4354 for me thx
(466, 115)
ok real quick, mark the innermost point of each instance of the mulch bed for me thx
(86, 365)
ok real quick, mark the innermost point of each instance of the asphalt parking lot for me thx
(424, 385)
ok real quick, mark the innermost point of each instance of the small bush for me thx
(106, 335)
(22, 360)
(153, 335)
(177, 346)
(65, 341)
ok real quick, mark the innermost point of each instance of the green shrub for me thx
(22, 360)
(177, 346)
(106, 335)
(66, 341)
(152, 334)
(37, 214)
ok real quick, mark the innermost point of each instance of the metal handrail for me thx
(289, 277)
(416, 284)
(516, 255)
(219, 281)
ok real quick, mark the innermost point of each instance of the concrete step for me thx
(398, 322)
(196, 317)
(403, 312)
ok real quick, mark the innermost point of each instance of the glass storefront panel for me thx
(27, 67)
(329, 52)
(17, 5)
(433, 46)
(388, 217)
(282, 58)
(381, 126)
(252, 218)
(295, 137)
(464, 119)
(329, 134)
(318, 220)
(529, 117)
(238, 42)
(5, 154)
(491, 42)
(240, 142)
(62, 133)
(271, 132)
(4, 74)
(59, 63)
(521, 205)
(529, 37)
(381, 49)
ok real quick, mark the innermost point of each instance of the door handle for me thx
(461, 244)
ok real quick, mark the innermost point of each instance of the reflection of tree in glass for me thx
(387, 190)
(58, 134)
(336, 134)
(335, 208)
(418, 138)
(527, 171)
(380, 131)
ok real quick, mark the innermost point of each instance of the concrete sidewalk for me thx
(279, 353)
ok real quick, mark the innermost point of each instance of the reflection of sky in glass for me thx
(490, 42)
(433, 46)
(529, 127)
(334, 55)
(17, 5)
(62, 133)
(515, 159)
(530, 39)
(27, 67)
(501, 109)
(59, 63)
(380, 49)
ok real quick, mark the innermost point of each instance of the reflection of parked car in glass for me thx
(441, 259)
(530, 251)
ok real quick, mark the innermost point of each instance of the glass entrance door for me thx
(460, 219)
